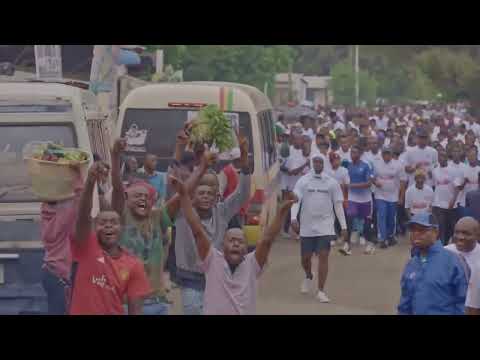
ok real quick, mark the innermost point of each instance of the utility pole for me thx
(357, 80)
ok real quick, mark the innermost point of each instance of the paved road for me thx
(357, 285)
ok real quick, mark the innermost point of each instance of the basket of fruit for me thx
(50, 167)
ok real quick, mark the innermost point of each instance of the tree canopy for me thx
(394, 72)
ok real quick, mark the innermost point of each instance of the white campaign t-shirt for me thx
(473, 292)
(317, 195)
(445, 179)
(310, 133)
(340, 174)
(344, 155)
(419, 201)
(370, 158)
(471, 175)
(382, 124)
(294, 161)
(389, 176)
(435, 132)
(427, 158)
(338, 125)
(472, 258)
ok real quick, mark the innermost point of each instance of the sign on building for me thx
(48, 61)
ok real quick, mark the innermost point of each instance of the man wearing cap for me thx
(421, 157)
(390, 185)
(434, 281)
(319, 195)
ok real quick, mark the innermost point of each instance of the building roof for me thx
(283, 78)
(318, 82)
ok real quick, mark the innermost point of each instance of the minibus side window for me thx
(263, 140)
(268, 139)
(272, 139)
(246, 129)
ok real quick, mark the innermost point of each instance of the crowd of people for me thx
(366, 176)
(348, 177)
(186, 223)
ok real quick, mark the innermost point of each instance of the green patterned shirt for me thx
(147, 239)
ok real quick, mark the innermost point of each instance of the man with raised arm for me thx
(231, 273)
(144, 225)
(105, 274)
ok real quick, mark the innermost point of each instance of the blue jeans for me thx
(155, 309)
(192, 301)
(152, 309)
(56, 289)
(386, 219)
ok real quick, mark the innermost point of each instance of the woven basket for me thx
(52, 181)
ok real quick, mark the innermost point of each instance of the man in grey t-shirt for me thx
(214, 218)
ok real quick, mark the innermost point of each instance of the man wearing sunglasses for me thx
(435, 280)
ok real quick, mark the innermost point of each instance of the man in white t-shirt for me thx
(344, 150)
(421, 157)
(373, 154)
(390, 185)
(465, 241)
(419, 196)
(448, 181)
(471, 174)
(318, 195)
(465, 244)
(472, 303)
(381, 121)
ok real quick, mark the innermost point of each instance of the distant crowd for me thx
(367, 175)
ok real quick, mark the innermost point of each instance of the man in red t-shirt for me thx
(105, 275)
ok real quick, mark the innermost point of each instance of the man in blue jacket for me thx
(434, 281)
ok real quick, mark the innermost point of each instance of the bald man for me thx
(231, 273)
(465, 243)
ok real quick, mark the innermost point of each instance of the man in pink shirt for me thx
(231, 275)
(57, 225)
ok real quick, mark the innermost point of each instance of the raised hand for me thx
(97, 170)
(119, 146)
(209, 158)
(178, 185)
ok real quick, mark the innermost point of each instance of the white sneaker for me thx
(370, 249)
(363, 241)
(307, 286)
(345, 250)
(354, 238)
(322, 297)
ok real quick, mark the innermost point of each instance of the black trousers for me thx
(401, 220)
(447, 218)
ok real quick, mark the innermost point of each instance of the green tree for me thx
(248, 64)
(343, 85)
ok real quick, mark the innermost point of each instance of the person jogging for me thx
(320, 197)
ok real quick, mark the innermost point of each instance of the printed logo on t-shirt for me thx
(102, 282)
